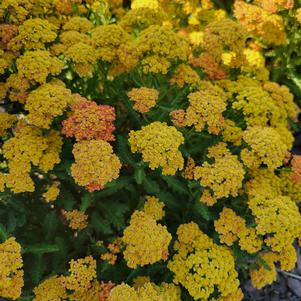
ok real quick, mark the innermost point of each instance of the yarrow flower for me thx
(159, 145)
(145, 292)
(266, 144)
(6, 122)
(83, 57)
(34, 34)
(82, 273)
(146, 241)
(232, 227)
(52, 192)
(76, 219)
(223, 177)
(88, 120)
(95, 164)
(107, 39)
(29, 146)
(144, 98)
(205, 108)
(283, 224)
(11, 272)
(46, 102)
(37, 65)
(201, 266)
(154, 207)
(269, 27)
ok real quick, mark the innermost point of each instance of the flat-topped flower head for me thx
(159, 145)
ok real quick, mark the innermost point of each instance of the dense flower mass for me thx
(37, 65)
(147, 291)
(224, 177)
(144, 98)
(88, 120)
(159, 145)
(146, 241)
(95, 164)
(150, 144)
(47, 102)
(201, 266)
(11, 272)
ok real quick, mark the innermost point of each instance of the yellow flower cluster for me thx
(79, 24)
(263, 276)
(83, 57)
(37, 65)
(95, 164)
(283, 222)
(18, 9)
(159, 145)
(80, 285)
(50, 289)
(206, 107)
(266, 144)
(47, 102)
(52, 192)
(185, 75)
(156, 46)
(289, 187)
(225, 34)
(146, 292)
(6, 122)
(144, 98)
(141, 18)
(27, 147)
(267, 26)
(11, 273)
(146, 241)
(33, 34)
(82, 273)
(231, 132)
(232, 227)
(107, 39)
(201, 266)
(76, 219)
(223, 177)
(154, 208)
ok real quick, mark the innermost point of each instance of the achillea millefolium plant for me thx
(146, 148)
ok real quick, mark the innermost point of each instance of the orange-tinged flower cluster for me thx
(296, 168)
(144, 98)
(223, 177)
(258, 21)
(88, 120)
(185, 75)
(11, 273)
(76, 219)
(47, 102)
(202, 266)
(95, 164)
(146, 241)
(159, 145)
